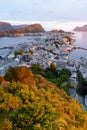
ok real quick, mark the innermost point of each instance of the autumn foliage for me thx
(21, 74)
(38, 105)
(1, 79)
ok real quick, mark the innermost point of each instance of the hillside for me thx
(82, 29)
(5, 26)
(6, 29)
(26, 30)
(34, 103)
(31, 28)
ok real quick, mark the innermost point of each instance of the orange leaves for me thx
(24, 75)
(21, 74)
(1, 79)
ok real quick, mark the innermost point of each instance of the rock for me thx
(10, 56)
(17, 60)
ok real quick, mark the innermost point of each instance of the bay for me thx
(81, 41)
(13, 41)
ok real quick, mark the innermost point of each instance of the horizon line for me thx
(50, 25)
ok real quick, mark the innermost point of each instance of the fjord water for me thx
(13, 41)
(81, 41)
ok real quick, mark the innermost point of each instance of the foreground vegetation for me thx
(31, 102)
(60, 78)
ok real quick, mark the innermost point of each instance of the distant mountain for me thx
(19, 26)
(4, 26)
(25, 30)
(82, 29)
(34, 28)
(6, 29)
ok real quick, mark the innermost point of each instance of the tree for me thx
(36, 69)
(18, 52)
(21, 74)
(11, 74)
(24, 74)
(53, 67)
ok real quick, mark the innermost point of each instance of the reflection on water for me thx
(81, 41)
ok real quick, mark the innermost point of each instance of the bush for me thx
(18, 52)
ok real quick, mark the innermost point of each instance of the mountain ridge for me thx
(7, 28)
(82, 29)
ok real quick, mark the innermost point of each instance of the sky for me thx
(52, 14)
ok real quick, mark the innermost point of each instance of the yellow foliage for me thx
(37, 127)
(39, 105)
(6, 125)
(11, 103)
(14, 102)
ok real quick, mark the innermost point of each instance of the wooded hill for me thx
(34, 103)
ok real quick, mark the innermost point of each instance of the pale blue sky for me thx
(50, 13)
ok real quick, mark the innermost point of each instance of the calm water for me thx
(81, 41)
(13, 41)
